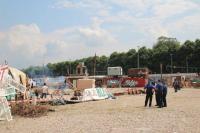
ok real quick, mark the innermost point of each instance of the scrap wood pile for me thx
(134, 91)
(61, 101)
(125, 91)
(196, 83)
(29, 110)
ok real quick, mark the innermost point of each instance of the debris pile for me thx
(29, 110)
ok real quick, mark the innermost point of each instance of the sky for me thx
(37, 32)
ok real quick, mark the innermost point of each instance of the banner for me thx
(126, 82)
(113, 82)
(94, 94)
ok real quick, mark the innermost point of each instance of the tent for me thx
(11, 79)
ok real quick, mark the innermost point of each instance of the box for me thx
(85, 84)
(138, 72)
(115, 71)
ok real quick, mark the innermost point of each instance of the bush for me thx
(29, 110)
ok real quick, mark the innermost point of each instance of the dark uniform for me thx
(157, 97)
(159, 91)
(164, 95)
(176, 85)
(149, 93)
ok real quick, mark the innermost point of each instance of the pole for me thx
(6, 63)
(94, 65)
(161, 70)
(171, 64)
(138, 60)
(187, 63)
(69, 67)
(43, 66)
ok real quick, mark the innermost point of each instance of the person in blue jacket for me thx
(149, 89)
(159, 91)
(164, 94)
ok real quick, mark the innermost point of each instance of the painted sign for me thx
(113, 82)
(126, 82)
(94, 94)
(133, 82)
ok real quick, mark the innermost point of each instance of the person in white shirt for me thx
(44, 91)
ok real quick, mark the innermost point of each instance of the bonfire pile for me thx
(29, 110)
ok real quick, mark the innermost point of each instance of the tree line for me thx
(173, 56)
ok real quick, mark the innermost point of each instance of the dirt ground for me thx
(126, 114)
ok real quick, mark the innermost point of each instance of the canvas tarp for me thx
(94, 94)
(18, 75)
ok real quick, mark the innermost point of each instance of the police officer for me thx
(149, 93)
(159, 91)
(176, 85)
(164, 94)
(157, 97)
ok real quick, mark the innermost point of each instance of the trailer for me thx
(115, 71)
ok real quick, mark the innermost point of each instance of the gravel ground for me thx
(125, 114)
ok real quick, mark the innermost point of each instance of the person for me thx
(156, 96)
(164, 94)
(159, 91)
(44, 91)
(176, 85)
(149, 93)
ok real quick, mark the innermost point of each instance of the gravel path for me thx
(125, 114)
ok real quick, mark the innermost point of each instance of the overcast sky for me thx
(33, 32)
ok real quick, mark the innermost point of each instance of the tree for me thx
(187, 53)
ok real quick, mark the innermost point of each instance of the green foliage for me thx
(163, 49)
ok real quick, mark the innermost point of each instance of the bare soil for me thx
(126, 114)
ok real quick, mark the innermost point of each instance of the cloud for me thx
(24, 45)
(99, 7)
(173, 7)
(150, 18)
(186, 28)
(116, 25)
(77, 42)
(22, 42)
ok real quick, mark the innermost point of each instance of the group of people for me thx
(160, 90)
(40, 93)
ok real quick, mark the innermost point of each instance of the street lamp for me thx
(171, 63)
(138, 60)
